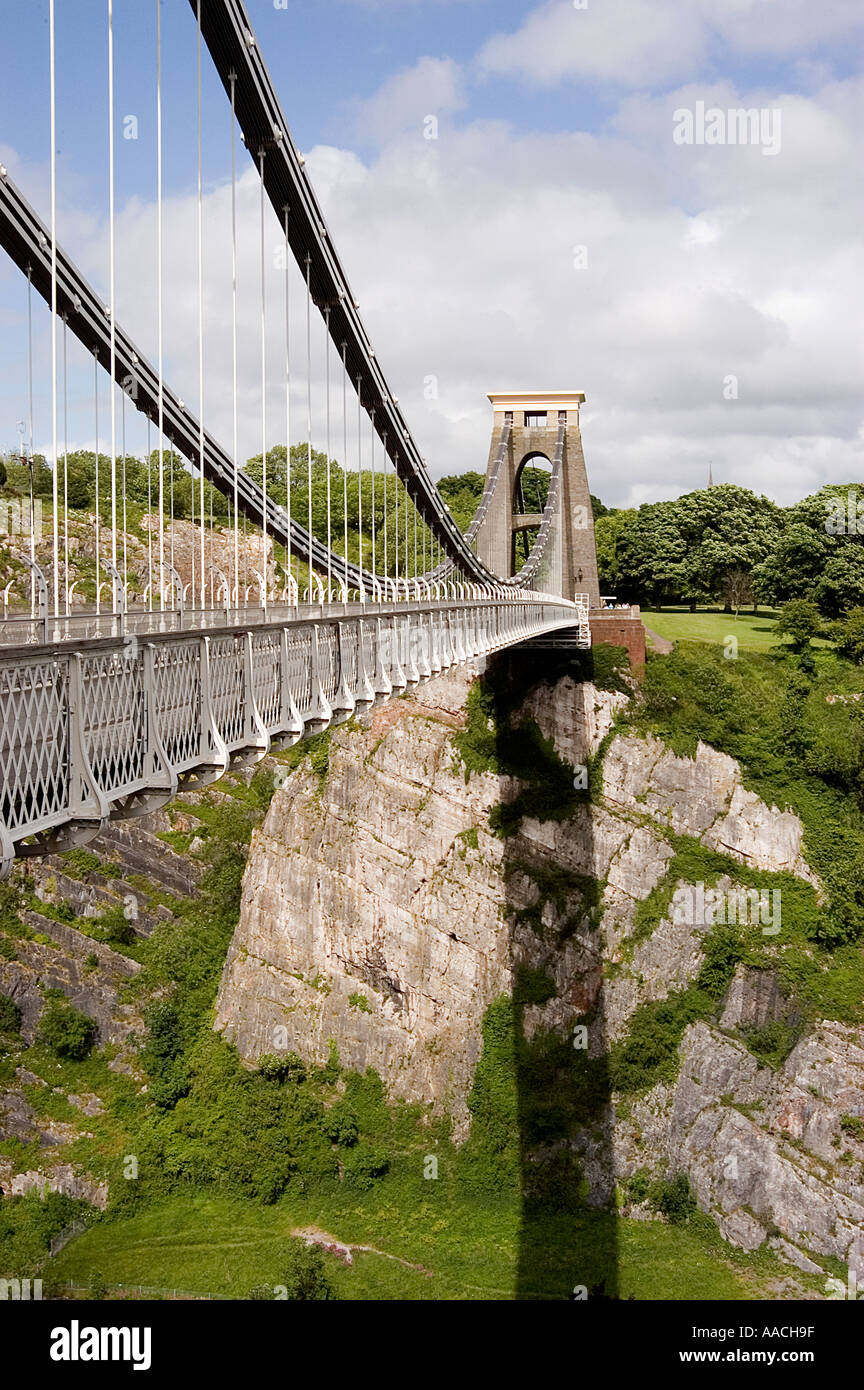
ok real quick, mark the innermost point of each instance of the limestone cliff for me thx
(373, 908)
(381, 913)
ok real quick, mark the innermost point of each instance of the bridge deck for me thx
(111, 726)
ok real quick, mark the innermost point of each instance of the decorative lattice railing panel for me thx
(34, 742)
(114, 719)
(267, 677)
(227, 688)
(177, 701)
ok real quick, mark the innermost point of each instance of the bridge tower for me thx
(526, 426)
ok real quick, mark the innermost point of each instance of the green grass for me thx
(219, 1245)
(754, 632)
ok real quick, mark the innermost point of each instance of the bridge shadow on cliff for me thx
(568, 1245)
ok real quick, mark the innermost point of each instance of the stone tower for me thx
(535, 418)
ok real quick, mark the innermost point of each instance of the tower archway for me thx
(530, 491)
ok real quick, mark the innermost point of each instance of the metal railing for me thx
(111, 726)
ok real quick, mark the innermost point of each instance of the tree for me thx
(849, 635)
(66, 1030)
(737, 589)
(724, 528)
(683, 550)
(791, 568)
(277, 486)
(18, 475)
(599, 508)
(80, 479)
(10, 1015)
(304, 1276)
(609, 526)
(462, 493)
(800, 620)
(840, 586)
(651, 554)
(820, 554)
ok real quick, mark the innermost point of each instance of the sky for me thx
(521, 199)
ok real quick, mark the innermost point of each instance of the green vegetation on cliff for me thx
(228, 1154)
(799, 737)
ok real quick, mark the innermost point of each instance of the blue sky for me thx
(324, 56)
(555, 133)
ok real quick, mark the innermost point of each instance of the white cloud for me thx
(703, 263)
(782, 27)
(433, 86)
(644, 46)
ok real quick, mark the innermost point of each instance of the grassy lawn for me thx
(209, 1243)
(755, 632)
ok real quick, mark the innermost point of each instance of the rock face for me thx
(93, 976)
(68, 965)
(62, 1178)
(380, 914)
(765, 1151)
(368, 916)
(704, 797)
(576, 719)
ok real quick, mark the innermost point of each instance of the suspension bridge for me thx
(108, 707)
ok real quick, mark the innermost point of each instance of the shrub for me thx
(66, 1030)
(304, 1276)
(161, 1055)
(340, 1125)
(78, 862)
(491, 1155)
(533, 986)
(607, 666)
(28, 1225)
(169, 1084)
(165, 1035)
(554, 1184)
(10, 902)
(363, 1165)
(115, 928)
(772, 1043)
(673, 1199)
(639, 1186)
(849, 635)
(287, 1067)
(799, 620)
(10, 1015)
